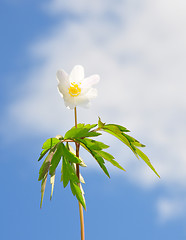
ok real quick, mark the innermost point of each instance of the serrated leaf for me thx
(42, 154)
(72, 189)
(87, 126)
(56, 158)
(121, 128)
(101, 162)
(68, 173)
(72, 174)
(78, 193)
(50, 143)
(105, 155)
(43, 185)
(133, 141)
(93, 145)
(62, 171)
(118, 132)
(146, 160)
(110, 158)
(90, 126)
(45, 166)
(79, 125)
(43, 173)
(113, 130)
(65, 175)
(100, 123)
(69, 155)
(80, 176)
(52, 180)
(83, 193)
(99, 159)
(74, 133)
(92, 134)
(82, 164)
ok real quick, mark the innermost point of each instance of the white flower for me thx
(75, 89)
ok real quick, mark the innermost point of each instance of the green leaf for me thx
(79, 125)
(52, 180)
(87, 126)
(43, 185)
(121, 128)
(62, 171)
(81, 179)
(80, 133)
(71, 172)
(43, 173)
(113, 130)
(110, 158)
(56, 158)
(118, 132)
(68, 173)
(90, 126)
(105, 155)
(45, 166)
(133, 141)
(42, 154)
(100, 123)
(87, 144)
(146, 160)
(50, 143)
(93, 145)
(65, 175)
(82, 164)
(83, 194)
(78, 193)
(69, 155)
(74, 133)
(101, 162)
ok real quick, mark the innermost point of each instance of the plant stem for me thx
(78, 175)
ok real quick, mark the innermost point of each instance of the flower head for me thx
(75, 89)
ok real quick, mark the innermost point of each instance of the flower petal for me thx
(63, 90)
(92, 93)
(90, 81)
(82, 101)
(62, 77)
(77, 74)
(69, 102)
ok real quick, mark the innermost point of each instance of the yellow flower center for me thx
(74, 90)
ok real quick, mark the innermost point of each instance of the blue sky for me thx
(138, 48)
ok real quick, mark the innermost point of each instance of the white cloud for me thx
(170, 209)
(138, 48)
(84, 7)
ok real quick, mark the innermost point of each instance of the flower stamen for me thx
(74, 90)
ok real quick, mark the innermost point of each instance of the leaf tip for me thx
(100, 123)
(158, 175)
(41, 204)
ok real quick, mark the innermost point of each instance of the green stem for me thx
(78, 175)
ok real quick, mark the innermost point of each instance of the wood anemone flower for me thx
(75, 89)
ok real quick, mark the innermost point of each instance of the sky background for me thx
(138, 49)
